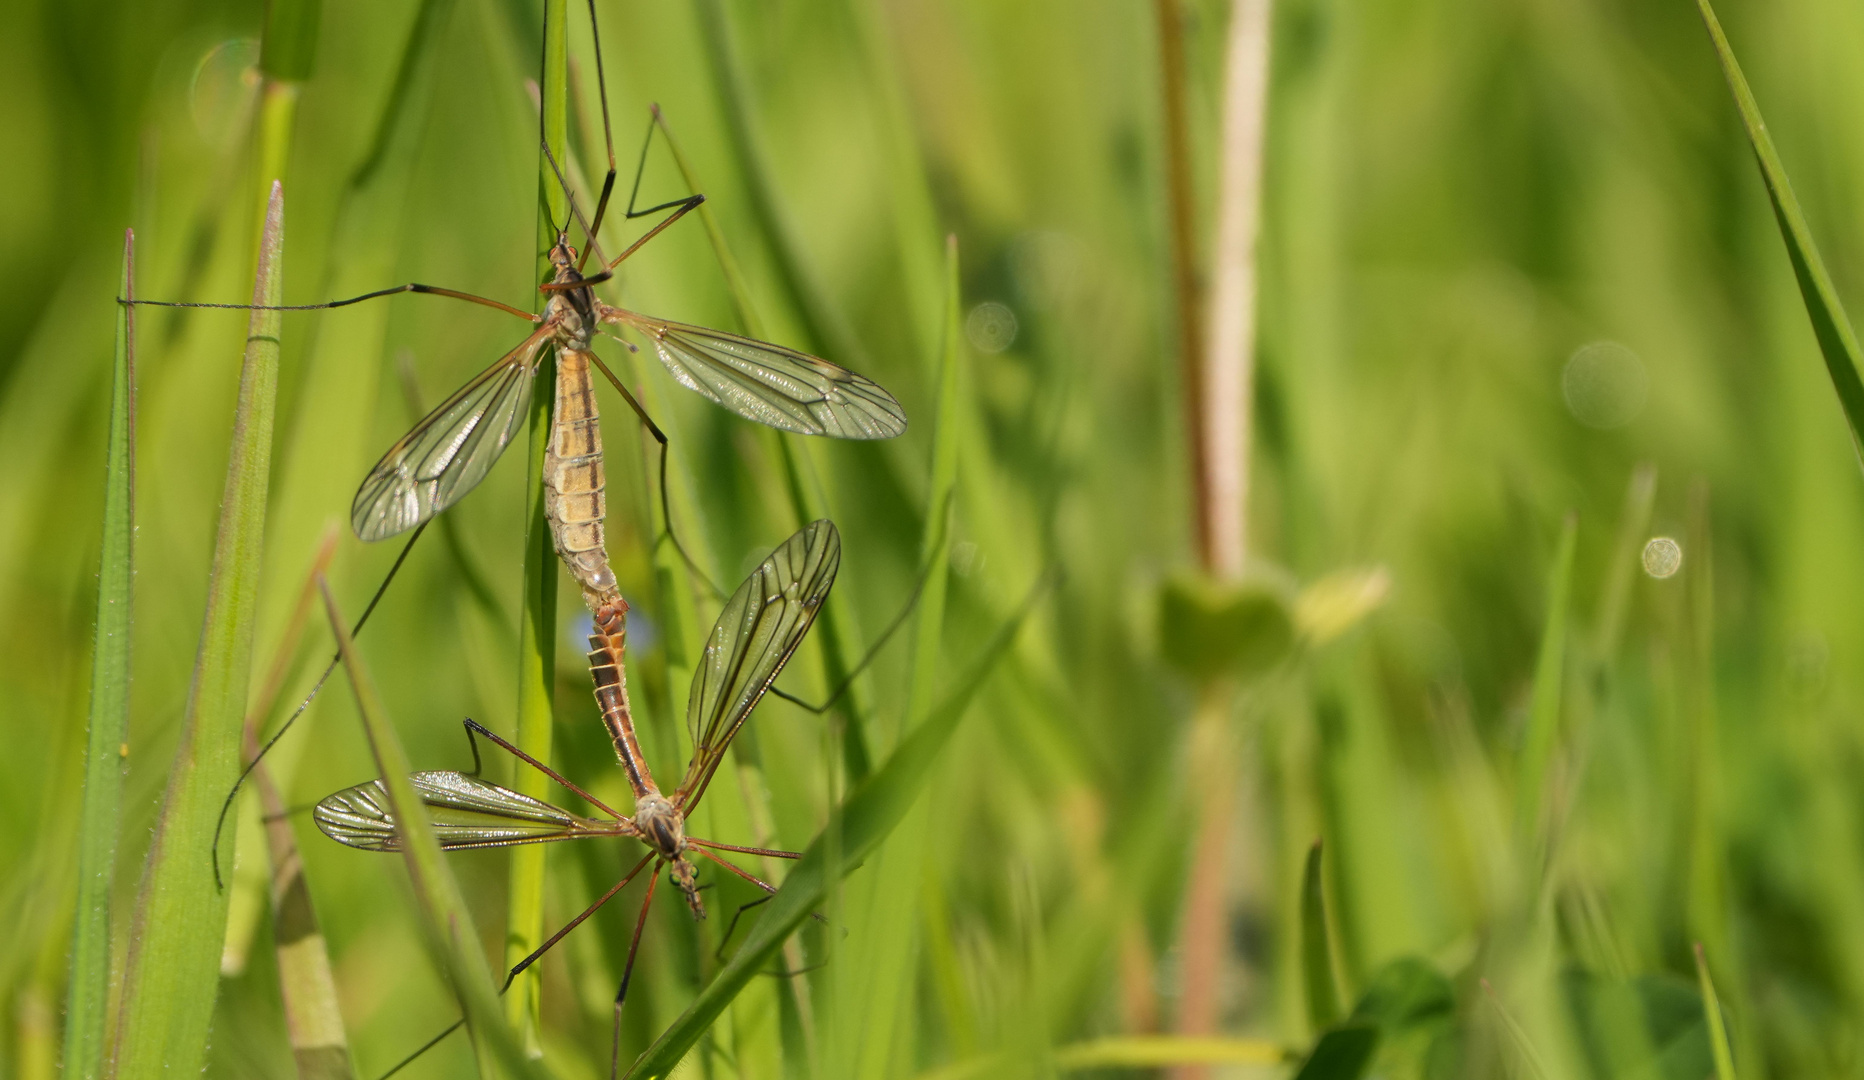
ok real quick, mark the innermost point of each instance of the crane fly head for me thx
(563, 253)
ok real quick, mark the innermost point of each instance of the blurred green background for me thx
(1511, 252)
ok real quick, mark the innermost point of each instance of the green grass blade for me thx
(448, 925)
(1712, 1015)
(1164, 1051)
(1837, 341)
(537, 637)
(1323, 996)
(935, 541)
(871, 813)
(173, 969)
(108, 731)
(1543, 725)
(1341, 1054)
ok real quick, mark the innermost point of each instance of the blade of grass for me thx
(1160, 1051)
(108, 731)
(878, 997)
(447, 925)
(1838, 343)
(537, 638)
(1712, 1015)
(173, 969)
(1323, 995)
(1517, 1034)
(870, 814)
(1543, 724)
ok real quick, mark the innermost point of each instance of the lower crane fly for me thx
(760, 627)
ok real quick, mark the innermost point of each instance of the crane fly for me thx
(760, 627)
(451, 449)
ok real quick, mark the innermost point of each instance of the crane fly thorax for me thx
(660, 825)
(571, 311)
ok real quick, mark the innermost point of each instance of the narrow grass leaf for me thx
(870, 814)
(448, 925)
(1543, 724)
(537, 637)
(1712, 1014)
(1164, 1051)
(107, 733)
(1517, 1034)
(1838, 343)
(173, 969)
(1323, 996)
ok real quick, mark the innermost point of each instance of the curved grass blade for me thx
(867, 818)
(108, 732)
(173, 969)
(1317, 982)
(448, 925)
(1712, 1013)
(1838, 342)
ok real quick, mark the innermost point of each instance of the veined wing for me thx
(769, 383)
(761, 626)
(450, 450)
(466, 812)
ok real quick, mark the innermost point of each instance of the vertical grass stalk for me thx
(1218, 367)
(524, 925)
(107, 734)
(173, 969)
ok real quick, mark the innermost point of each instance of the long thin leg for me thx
(227, 803)
(519, 967)
(411, 287)
(475, 727)
(680, 207)
(771, 852)
(899, 620)
(608, 134)
(627, 973)
(741, 872)
(528, 961)
(666, 506)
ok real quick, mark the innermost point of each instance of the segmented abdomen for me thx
(573, 497)
(611, 691)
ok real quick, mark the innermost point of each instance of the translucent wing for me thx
(769, 383)
(450, 450)
(761, 626)
(466, 812)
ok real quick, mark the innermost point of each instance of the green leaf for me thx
(1209, 628)
(1164, 1051)
(108, 730)
(869, 815)
(173, 969)
(1405, 994)
(448, 925)
(289, 51)
(1341, 1054)
(1837, 341)
(1712, 1014)
(1323, 997)
(1543, 725)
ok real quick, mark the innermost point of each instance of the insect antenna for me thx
(227, 803)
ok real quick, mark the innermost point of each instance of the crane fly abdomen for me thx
(574, 503)
(606, 670)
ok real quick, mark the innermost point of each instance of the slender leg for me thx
(475, 727)
(608, 133)
(773, 853)
(226, 804)
(899, 620)
(529, 960)
(732, 927)
(680, 207)
(519, 967)
(627, 973)
(666, 507)
(411, 287)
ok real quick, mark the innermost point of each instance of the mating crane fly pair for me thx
(452, 448)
